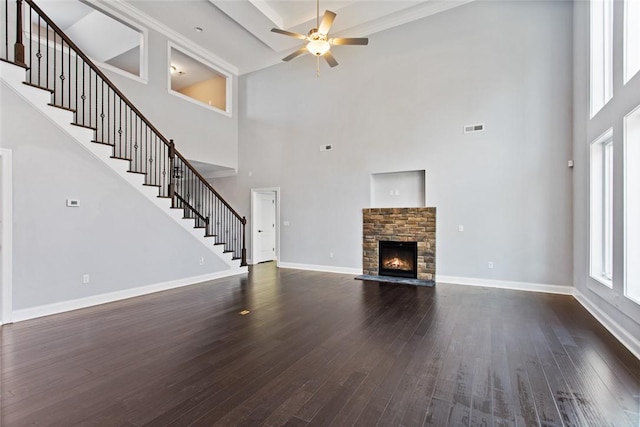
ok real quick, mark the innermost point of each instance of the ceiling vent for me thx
(473, 128)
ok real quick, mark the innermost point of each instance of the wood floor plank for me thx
(319, 349)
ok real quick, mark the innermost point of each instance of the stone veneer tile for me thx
(400, 225)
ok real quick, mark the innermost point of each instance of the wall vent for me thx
(473, 128)
(326, 147)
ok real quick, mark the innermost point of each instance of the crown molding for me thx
(177, 38)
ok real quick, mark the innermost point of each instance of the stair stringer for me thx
(13, 77)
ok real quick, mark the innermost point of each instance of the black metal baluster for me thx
(6, 29)
(47, 57)
(77, 78)
(69, 76)
(55, 58)
(38, 53)
(101, 110)
(84, 96)
(61, 77)
(30, 46)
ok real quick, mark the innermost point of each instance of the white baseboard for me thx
(506, 284)
(621, 334)
(61, 307)
(322, 268)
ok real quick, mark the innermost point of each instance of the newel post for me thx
(172, 171)
(18, 48)
(244, 243)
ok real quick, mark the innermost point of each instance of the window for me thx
(601, 36)
(632, 205)
(601, 209)
(631, 38)
(193, 80)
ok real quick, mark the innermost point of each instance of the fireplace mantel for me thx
(400, 225)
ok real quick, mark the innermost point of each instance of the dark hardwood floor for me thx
(319, 349)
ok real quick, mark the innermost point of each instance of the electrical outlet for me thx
(490, 264)
(330, 254)
(461, 228)
(85, 279)
(201, 260)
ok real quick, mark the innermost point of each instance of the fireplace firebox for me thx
(398, 259)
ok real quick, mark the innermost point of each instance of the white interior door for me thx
(266, 224)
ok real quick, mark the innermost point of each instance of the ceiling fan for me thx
(319, 43)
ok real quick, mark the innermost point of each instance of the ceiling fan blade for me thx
(295, 54)
(331, 60)
(288, 33)
(327, 22)
(362, 41)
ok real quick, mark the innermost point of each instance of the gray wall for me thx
(116, 235)
(199, 133)
(400, 104)
(625, 98)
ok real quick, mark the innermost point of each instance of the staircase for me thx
(63, 83)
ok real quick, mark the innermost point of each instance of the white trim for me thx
(228, 81)
(620, 333)
(506, 284)
(625, 200)
(254, 229)
(320, 268)
(64, 306)
(123, 7)
(7, 236)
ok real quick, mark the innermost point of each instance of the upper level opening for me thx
(106, 39)
(194, 80)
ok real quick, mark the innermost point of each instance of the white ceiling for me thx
(238, 31)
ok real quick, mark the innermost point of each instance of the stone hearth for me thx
(400, 225)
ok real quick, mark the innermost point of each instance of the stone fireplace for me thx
(400, 229)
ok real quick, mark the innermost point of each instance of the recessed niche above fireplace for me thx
(398, 189)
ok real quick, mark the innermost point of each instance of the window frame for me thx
(601, 208)
(601, 54)
(631, 44)
(633, 115)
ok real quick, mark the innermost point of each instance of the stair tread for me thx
(103, 143)
(120, 158)
(51, 104)
(26, 67)
(36, 86)
(139, 173)
(152, 185)
(84, 126)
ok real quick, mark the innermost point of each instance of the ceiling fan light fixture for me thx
(318, 47)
